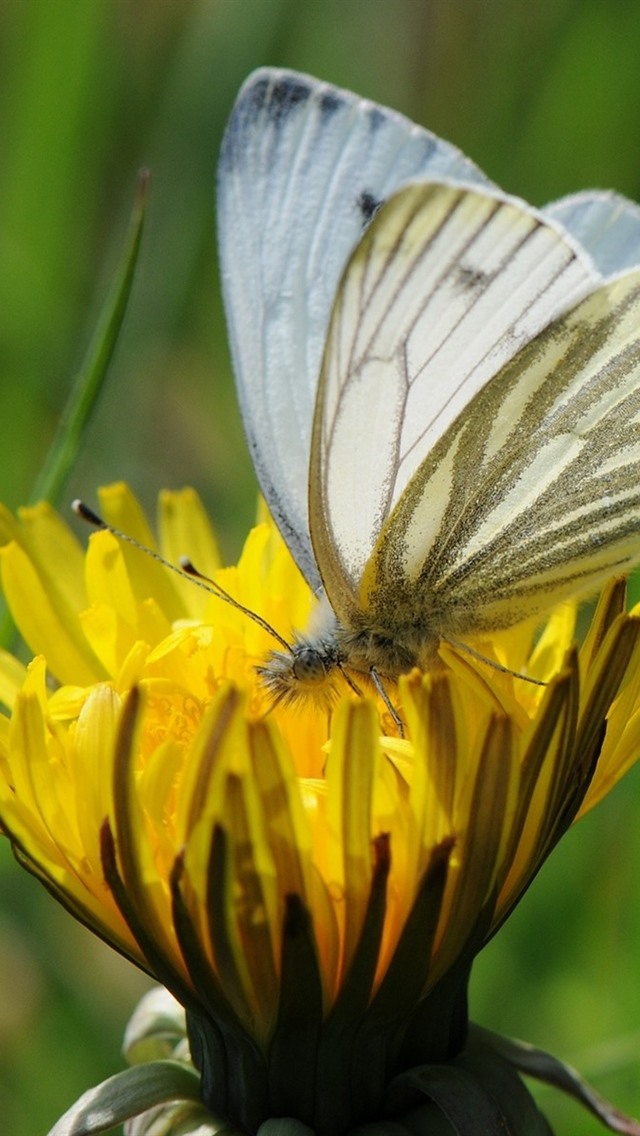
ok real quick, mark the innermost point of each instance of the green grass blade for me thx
(90, 379)
(86, 389)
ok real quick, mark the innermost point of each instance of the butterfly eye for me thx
(303, 669)
(309, 666)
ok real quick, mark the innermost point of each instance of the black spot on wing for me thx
(330, 103)
(368, 206)
(232, 148)
(286, 94)
(247, 109)
(471, 279)
(429, 144)
(377, 119)
(268, 102)
(254, 98)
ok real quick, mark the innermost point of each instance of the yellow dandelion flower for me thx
(311, 888)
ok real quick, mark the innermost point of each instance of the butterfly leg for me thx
(379, 685)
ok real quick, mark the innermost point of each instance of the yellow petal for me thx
(45, 621)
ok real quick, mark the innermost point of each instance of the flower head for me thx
(312, 888)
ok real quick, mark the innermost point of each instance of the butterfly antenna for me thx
(189, 569)
(186, 570)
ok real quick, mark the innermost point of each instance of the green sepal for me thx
(232, 1070)
(426, 1120)
(179, 1120)
(128, 1094)
(543, 1067)
(338, 1034)
(477, 1093)
(156, 1030)
(379, 1037)
(294, 1045)
(501, 1081)
(465, 1104)
(284, 1126)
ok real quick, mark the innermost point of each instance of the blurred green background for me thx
(546, 97)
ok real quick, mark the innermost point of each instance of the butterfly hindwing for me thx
(544, 493)
(606, 225)
(445, 287)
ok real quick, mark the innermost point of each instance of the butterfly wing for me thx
(605, 224)
(446, 286)
(543, 480)
(302, 170)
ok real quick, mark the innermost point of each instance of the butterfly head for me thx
(306, 670)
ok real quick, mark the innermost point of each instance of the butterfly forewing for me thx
(443, 290)
(303, 168)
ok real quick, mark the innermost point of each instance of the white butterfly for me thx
(440, 385)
